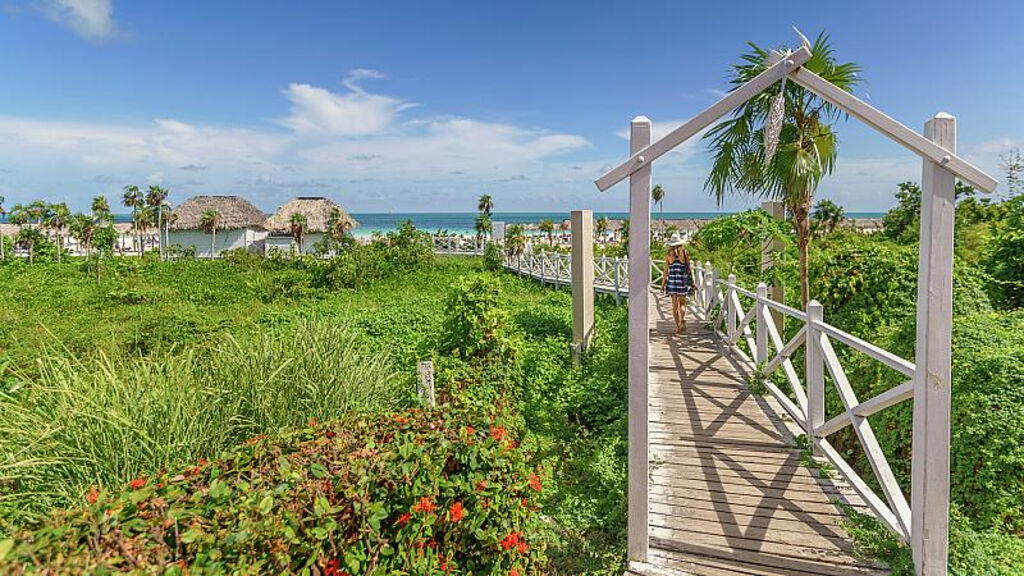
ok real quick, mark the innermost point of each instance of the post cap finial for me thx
(640, 120)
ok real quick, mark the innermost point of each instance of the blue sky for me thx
(422, 106)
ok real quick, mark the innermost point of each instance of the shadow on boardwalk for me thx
(728, 493)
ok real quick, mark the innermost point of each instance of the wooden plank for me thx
(764, 550)
(701, 564)
(940, 153)
(643, 156)
(702, 496)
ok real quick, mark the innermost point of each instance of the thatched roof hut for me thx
(235, 213)
(316, 209)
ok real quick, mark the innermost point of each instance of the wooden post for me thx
(618, 295)
(761, 334)
(929, 532)
(425, 371)
(582, 280)
(638, 538)
(769, 251)
(709, 282)
(814, 368)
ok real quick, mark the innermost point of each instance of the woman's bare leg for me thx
(682, 310)
(675, 313)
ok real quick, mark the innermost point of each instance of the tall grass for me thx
(77, 422)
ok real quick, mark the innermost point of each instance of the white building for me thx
(315, 215)
(214, 224)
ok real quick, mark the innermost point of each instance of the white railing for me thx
(611, 275)
(458, 245)
(751, 334)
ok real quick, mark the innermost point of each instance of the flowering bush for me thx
(406, 493)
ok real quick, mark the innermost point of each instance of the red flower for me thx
(498, 433)
(481, 486)
(457, 512)
(470, 430)
(93, 495)
(138, 483)
(523, 548)
(424, 505)
(404, 519)
(313, 422)
(330, 433)
(332, 569)
(400, 419)
(513, 572)
(510, 541)
(535, 482)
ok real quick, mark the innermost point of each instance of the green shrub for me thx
(75, 422)
(408, 493)
(475, 325)
(494, 257)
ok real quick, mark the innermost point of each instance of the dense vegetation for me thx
(166, 363)
(867, 285)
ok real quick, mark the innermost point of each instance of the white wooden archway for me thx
(924, 523)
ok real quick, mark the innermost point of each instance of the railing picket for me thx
(815, 373)
(761, 335)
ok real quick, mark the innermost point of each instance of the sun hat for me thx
(676, 240)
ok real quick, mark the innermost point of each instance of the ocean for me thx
(462, 222)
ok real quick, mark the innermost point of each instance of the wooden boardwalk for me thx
(729, 494)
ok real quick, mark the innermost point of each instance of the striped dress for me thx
(680, 279)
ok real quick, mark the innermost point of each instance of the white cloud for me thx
(90, 19)
(356, 113)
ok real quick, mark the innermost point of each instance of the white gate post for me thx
(582, 280)
(814, 367)
(929, 533)
(638, 538)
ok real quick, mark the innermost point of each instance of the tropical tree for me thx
(515, 239)
(82, 228)
(482, 225)
(299, 224)
(103, 240)
(484, 205)
(827, 217)
(156, 200)
(101, 209)
(30, 237)
(789, 164)
(133, 198)
(547, 226)
(602, 226)
(209, 222)
(146, 219)
(658, 196)
(56, 218)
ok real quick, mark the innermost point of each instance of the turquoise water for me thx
(462, 222)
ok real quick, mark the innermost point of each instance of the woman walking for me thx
(678, 279)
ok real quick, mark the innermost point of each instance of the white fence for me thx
(458, 245)
(751, 335)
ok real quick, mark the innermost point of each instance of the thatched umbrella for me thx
(235, 213)
(323, 216)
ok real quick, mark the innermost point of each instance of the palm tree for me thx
(299, 223)
(806, 144)
(82, 229)
(209, 222)
(515, 240)
(155, 199)
(658, 195)
(29, 236)
(133, 199)
(484, 205)
(602, 226)
(19, 217)
(482, 226)
(827, 217)
(547, 226)
(100, 209)
(56, 218)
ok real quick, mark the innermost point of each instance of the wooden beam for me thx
(929, 485)
(897, 132)
(638, 530)
(582, 281)
(644, 156)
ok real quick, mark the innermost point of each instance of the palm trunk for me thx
(159, 233)
(60, 247)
